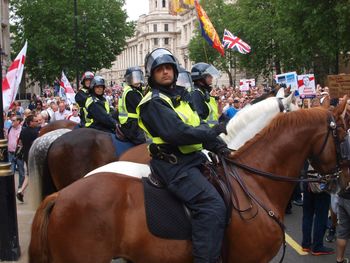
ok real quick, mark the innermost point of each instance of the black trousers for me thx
(186, 182)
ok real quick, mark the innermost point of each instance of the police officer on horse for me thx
(178, 137)
(132, 95)
(205, 105)
(83, 94)
(97, 107)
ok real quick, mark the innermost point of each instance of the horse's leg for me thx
(249, 242)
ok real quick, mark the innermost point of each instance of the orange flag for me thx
(208, 30)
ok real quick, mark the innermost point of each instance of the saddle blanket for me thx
(137, 170)
(165, 214)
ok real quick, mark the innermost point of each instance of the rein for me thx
(234, 173)
(332, 129)
(280, 178)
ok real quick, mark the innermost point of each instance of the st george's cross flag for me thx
(68, 90)
(234, 42)
(10, 83)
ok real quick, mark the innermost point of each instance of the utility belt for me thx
(158, 153)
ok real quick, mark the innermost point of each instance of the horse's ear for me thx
(342, 106)
(280, 93)
(325, 102)
(289, 99)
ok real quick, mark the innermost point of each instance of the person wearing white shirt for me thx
(62, 113)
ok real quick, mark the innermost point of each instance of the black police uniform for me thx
(81, 98)
(97, 112)
(131, 129)
(184, 178)
(198, 100)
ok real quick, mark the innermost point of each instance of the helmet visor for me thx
(135, 78)
(211, 71)
(184, 80)
(157, 54)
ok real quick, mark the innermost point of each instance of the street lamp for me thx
(40, 66)
(9, 243)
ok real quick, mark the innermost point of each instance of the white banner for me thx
(10, 83)
(306, 86)
(68, 90)
(289, 79)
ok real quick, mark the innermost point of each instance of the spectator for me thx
(75, 114)
(62, 112)
(26, 139)
(12, 138)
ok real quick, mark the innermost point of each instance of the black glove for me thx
(220, 128)
(226, 152)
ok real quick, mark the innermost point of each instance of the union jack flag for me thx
(233, 42)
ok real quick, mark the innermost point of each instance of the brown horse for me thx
(59, 161)
(61, 124)
(103, 216)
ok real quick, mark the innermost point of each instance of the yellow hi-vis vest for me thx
(213, 116)
(89, 101)
(185, 113)
(122, 109)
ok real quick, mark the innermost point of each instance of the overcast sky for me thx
(135, 8)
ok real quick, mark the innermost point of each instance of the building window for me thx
(166, 41)
(155, 3)
(166, 27)
(155, 41)
(154, 27)
(163, 3)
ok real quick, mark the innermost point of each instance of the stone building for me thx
(156, 29)
(5, 33)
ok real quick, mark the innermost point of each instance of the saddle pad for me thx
(120, 146)
(166, 217)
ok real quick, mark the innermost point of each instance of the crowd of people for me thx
(181, 117)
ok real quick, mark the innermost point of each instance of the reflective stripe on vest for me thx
(89, 101)
(123, 113)
(185, 113)
(213, 116)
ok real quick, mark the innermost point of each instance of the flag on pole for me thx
(179, 6)
(66, 89)
(208, 30)
(231, 41)
(10, 83)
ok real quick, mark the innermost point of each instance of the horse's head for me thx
(331, 152)
(288, 102)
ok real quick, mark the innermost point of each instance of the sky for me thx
(135, 8)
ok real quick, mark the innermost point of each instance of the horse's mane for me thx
(246, 116)
(286, 121)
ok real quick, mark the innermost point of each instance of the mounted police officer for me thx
(178, 136)
(132, 95)
(83, 94)
(97, 107)
(205, 105)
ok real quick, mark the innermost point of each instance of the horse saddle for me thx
(167, 217)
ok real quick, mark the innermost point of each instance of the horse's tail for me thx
(38, 247)
(40, 178)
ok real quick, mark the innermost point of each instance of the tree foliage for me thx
(49, 28)
(301, 35)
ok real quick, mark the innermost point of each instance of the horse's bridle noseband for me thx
(342, 149)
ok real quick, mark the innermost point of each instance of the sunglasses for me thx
(74, 109)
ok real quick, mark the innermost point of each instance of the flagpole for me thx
(76, 43)
(9, 244)
(205, 52)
